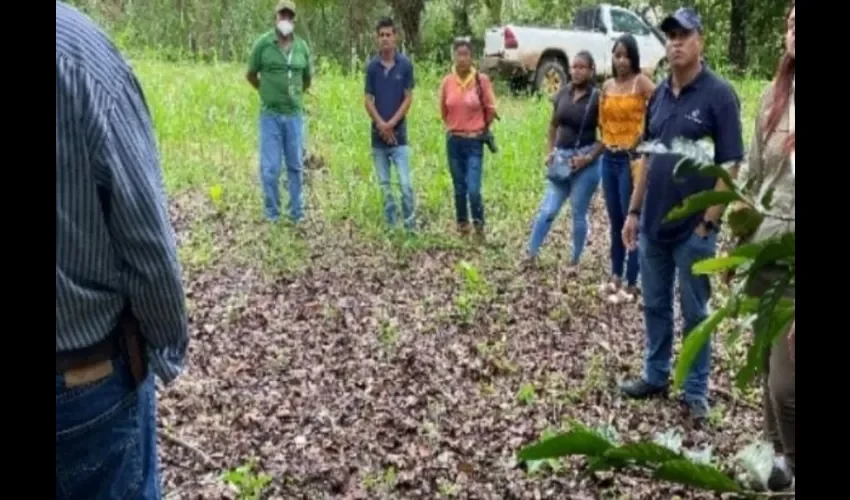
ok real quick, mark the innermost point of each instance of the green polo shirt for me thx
(283, 74)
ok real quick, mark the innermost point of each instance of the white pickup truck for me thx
(540, 56)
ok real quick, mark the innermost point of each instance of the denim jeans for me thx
(106, 438)
(281, 139)
(465, 164)
(581, 185)
(659, 265)
(617, 188)
(400, 156)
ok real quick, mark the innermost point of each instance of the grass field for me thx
(346, 363)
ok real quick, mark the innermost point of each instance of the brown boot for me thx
(464, 229)
(480, 237)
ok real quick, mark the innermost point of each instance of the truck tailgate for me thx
(494, 42)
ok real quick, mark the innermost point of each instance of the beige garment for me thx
(792, 121)
(772, 168)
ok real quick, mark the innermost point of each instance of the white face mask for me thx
(285, 27)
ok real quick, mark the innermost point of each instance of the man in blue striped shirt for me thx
(120, 310)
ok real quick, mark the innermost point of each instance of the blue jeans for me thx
(281, 139)
(106, 438)
(400, 156)
(617, 188)
(659, 266)
(581, 185)
(465, 164)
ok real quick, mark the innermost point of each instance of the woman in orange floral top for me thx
(622, 110)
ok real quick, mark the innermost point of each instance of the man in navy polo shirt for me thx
(693, 103)
(389, 92)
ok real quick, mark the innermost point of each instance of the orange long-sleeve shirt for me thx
(460, 106)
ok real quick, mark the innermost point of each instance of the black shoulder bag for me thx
(487, 136)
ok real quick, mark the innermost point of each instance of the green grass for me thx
(206, 121)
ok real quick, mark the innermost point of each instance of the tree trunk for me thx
(460, 12)
(738, 35)
(409, 13)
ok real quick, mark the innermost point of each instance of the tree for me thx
(409, 14)
(494, 9)
(738, 35)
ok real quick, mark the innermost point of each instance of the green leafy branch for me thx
(771, 313)
(664, 462)
(664, 458)
(697, 157)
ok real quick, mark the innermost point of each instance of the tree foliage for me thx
(343, 31)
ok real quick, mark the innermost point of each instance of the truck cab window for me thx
(625, 22)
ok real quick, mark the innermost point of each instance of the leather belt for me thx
(104, 350)
(616, 150)
(466, 135)
(125, 341)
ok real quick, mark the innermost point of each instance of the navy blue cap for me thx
(685, 18)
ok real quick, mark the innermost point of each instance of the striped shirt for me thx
(114, 240)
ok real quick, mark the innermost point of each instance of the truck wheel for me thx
(551, 76)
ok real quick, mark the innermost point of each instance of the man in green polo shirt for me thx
(279, 68)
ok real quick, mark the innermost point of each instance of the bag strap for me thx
(480, 91)
(584, 116)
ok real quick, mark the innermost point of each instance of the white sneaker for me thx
(608, 287)
(621, 296)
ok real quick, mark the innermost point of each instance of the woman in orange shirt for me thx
(622, 110)
(467, 106)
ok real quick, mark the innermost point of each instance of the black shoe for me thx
(781, 478)
(697, 409)
(641, 389)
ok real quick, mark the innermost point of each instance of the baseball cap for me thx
(285, 5)
(685, 18)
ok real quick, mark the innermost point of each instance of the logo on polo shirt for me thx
(694, 116)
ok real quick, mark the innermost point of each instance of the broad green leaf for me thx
(598, 464)
(773, 251)
(717, 264)
(774, 315)
(642, 453)
(574, 442)
(744, 322)
(740, 304)
(744, 222)
(702, 476)
(687, 166)
(694, 342)
(699, 202)
(749, 250)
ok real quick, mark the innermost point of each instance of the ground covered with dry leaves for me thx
(371, 372)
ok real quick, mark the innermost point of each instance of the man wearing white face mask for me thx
(279, 68)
